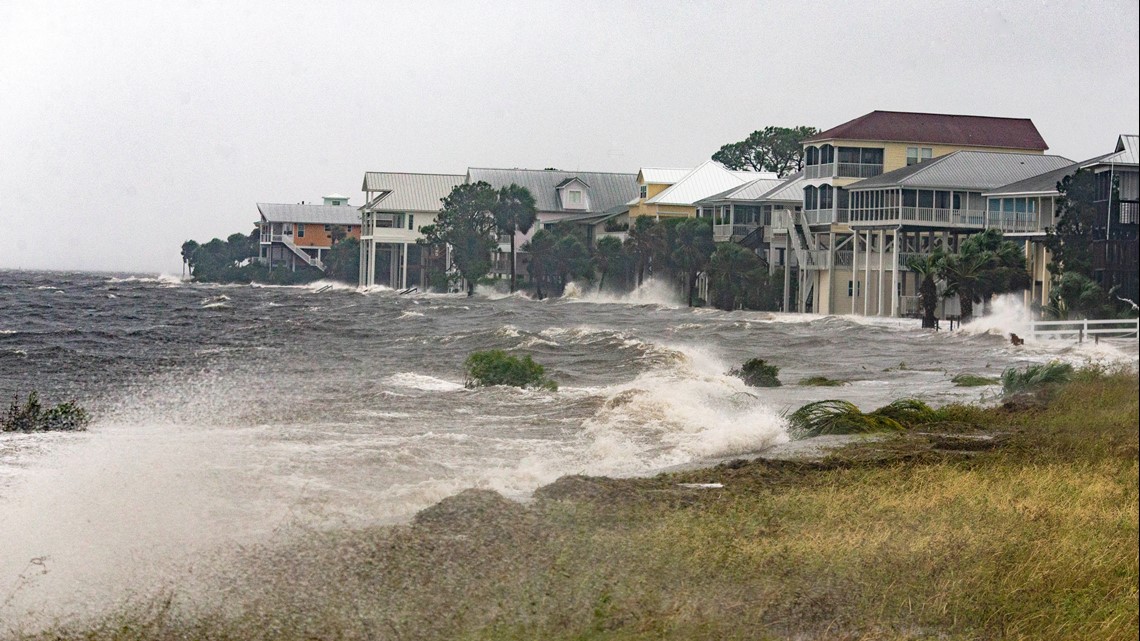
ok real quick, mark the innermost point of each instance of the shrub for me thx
(1035, 377)
(907, 412)
(973, 380)
(496, 367)
(757, 373)
(821, 381)
(32, 417)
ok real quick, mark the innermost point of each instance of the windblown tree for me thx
(466, 224)
(188, 249)
(692, 250)
(646, 239)
(736, 277)
(342, 261)
(558, 255)
(607, 257)
(1070, 241)
(927, 268)
(777, 149)
(514, 213)
(985, 265)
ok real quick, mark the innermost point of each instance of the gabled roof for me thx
(570, 180)
(945, 129)
(747, 192)
(605, 190)
(335, 196)
(1041, 184)
(1125, 153)
(663, 175)
(968, 170)
(314, 214)
(708, 178)
(409, 192)
(791, 190)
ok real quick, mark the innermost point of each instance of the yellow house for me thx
(673, 193)
(827, 245)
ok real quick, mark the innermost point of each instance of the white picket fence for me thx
(1081, 330)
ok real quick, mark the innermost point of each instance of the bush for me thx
(973, 380)
(496, 367)
(32, 417)
(838, 417)
(757, 373)
(1035, 377)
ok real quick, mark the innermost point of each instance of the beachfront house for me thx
(592, 199)
(396, 207)
(679, 199)
(828, 242)
(300, 234)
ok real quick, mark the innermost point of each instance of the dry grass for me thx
(950, 535)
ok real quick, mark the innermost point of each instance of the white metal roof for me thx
(708, 178)
(791, 190)
(969, 170)
(314, 214)
(750, 190)
(335, 196)
(410, 192)
(1125, 153)
(663, 175)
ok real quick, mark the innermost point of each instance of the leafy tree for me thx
(1070, 242)
(188, 249)
(778, 149)
(963, 274)
(466, 223)
(514, 212)
(927, 268)
(1075, 295)
(1007, 270)
(692, 251)
(342, 261)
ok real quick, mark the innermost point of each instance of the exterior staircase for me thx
(309, 260)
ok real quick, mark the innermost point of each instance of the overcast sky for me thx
(129, 127)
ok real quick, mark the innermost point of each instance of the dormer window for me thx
(573, 194)
(575, 197)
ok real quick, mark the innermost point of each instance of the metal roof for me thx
(335, 196)
(663, 175)
(1125, 152)
(1041, 184)
(603, 191)
(968, 170)
(749, 191)
(947, 129)
(708, 178)
(315, 214)
(791, 190)
(410, 192)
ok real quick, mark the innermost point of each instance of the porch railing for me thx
(723, 233)
(1081, 330)
(930, 215)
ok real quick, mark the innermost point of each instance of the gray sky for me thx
(129, 127)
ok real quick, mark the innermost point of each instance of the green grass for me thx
(821, 381)
(1033, 377)
(1013, 522)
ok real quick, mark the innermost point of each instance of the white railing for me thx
(723, 233)
(1023, 223)
(819, 171)
(931, 215)
(817, 259)
(1079, 330)
(825, 216)
(858, 170)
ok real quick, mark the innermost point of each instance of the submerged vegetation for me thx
(821, 381)
(843, 417)
(988, 523)
(757, 373)
(32, 416)
(496, 367)
(973, 380)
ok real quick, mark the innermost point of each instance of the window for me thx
(915, 155)
(575, 197)
(942, 200)
(909, 198)
(411, 221)
(644, 191)
(300, 231)
(813, 155)
(872, 156)
(852, 288)
(925, 198)
(957, 200)
(825, 196)
(328, 227)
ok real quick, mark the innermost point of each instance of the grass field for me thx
(1016, 522)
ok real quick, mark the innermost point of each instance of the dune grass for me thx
(1025, 527)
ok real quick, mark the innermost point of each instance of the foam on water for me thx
(651, 292)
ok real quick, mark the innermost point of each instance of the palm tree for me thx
(607, 254)
(514, 212)
(927, 268)
(645, 239)
(965, 274)
(693, 250)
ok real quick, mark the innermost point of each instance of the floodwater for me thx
(227, 415)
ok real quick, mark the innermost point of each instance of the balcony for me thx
(926, 216)
(825, 216)
(725, 233)
(843, 170)
(1020, 223)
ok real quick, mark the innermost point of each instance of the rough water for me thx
(227, 415)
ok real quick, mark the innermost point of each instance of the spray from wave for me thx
(651, 292)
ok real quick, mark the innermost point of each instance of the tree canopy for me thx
(514, 212)
(777, 149)
(466, 224)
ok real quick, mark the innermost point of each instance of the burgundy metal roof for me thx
(945, 129)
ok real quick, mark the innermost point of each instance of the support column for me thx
(404, 266)
(895, 278)
(867, 274)
(854, 268)
(879, 280)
